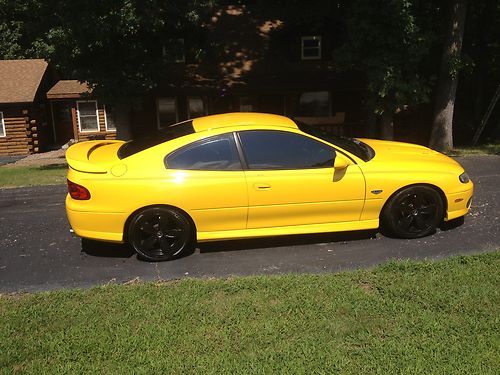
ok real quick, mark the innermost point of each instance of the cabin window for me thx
(167, 112)
(109, 120)
(88, 117)
(196, 107)
(2, 125)
(311, 47)
(314, 104)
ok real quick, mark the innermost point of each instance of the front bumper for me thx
(459, 203)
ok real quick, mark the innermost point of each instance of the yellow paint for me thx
(241, 204)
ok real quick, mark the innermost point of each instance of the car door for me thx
(208, 181)
(291, 181)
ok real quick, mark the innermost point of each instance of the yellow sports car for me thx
(241, 175)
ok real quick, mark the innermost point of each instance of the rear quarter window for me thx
(217, 153)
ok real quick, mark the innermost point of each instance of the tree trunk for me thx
(387, 125)
(442, 126)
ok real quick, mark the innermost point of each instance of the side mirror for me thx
(341, 162)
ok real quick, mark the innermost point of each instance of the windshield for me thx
(352, 145)
(163, 135)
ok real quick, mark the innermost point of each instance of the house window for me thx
(246, 104)
(167, 112)
(2, 125)
(173, 52)
(315, 104)
(88, 118)
(109, 120)
(311, 47)
(196, 107)
(272, 103)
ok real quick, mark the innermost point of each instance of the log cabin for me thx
(77, 115)
(24, 128)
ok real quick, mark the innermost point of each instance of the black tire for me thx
(161, 233)
(413, 212)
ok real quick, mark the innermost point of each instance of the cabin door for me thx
(62, 122)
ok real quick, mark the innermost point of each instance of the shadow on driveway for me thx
(106, 249)
(113, 250)
(282, 241)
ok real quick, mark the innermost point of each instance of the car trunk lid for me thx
(93, 156)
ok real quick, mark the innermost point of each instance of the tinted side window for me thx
(216, 153)
(266, 149)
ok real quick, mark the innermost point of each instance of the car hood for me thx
(408, 154)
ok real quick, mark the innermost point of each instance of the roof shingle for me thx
(68, 88)
(20, 79)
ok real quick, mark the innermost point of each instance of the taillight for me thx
(78, 191)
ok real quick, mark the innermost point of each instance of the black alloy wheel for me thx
(161, 233)
(413, 212)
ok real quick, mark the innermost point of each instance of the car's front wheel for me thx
(413, 212)
(161, 233)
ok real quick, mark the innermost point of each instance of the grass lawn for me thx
(404, 317)
(488, 149)
(32, 176)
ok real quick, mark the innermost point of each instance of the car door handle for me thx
(262, 186)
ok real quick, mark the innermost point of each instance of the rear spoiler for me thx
(78, 157)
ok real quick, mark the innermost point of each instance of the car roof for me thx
(241, 119)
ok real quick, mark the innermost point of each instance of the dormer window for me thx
(311, 47)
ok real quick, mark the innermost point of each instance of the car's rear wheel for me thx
(413, 212)
(161, 233)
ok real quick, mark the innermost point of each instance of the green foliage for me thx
(390, 41)
(481, 46)
(401, 318)
(479, 72)
(116, 45)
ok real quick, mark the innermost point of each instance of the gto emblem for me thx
(377, 191)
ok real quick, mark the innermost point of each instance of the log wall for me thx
(21, 132)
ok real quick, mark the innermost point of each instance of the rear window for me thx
(163, 135)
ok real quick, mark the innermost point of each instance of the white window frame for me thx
(312, 37)
(189, 111)
(2, 126)
(78, 116)
(158, 110)
(106, 120)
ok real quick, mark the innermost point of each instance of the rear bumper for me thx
(102, 226)
(459, 203)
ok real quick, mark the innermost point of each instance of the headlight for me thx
(464, 178)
